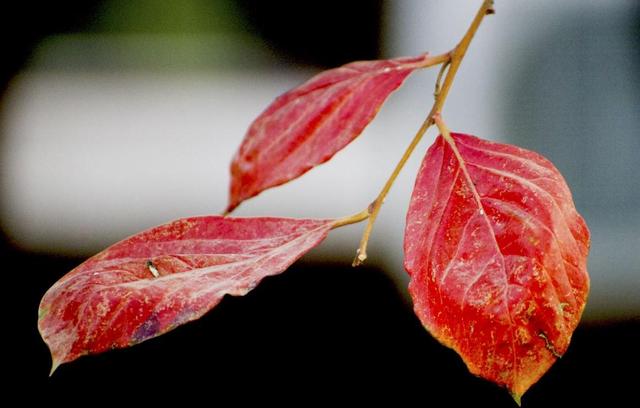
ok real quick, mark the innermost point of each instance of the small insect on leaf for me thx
(497, 255)
(306, 126)
(119, 298)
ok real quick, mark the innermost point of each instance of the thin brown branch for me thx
(455, 58)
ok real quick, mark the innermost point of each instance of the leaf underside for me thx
(159, 279)
(306, 126)
(497, 255)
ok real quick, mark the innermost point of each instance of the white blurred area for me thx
(88, 158)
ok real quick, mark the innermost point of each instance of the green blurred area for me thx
(177, 17)
(156, 35)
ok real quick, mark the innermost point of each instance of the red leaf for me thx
(115, 299)
(497, 256)
(309, 124)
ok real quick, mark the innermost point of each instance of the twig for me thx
(454, 60)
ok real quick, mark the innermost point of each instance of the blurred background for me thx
(119, 115)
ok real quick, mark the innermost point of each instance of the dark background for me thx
(302, 338)
(319, 332)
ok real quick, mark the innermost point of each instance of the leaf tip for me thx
(233, 204)
(54, 366)
(517, 398)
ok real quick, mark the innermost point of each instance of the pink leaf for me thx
(309, 124)
(159, 279)
(497, 256)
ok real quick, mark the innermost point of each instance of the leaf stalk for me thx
(351, 219)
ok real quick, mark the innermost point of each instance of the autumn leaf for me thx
(159, 279)
(309, 124)
(497, 256)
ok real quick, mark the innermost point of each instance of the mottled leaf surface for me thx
(309, 124)
(497, 256)
(156, 280)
